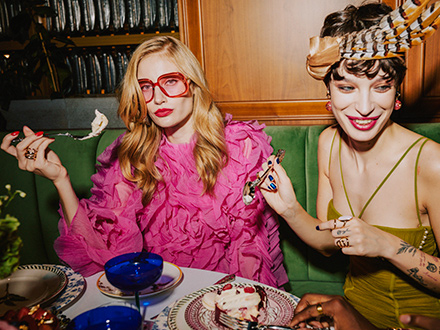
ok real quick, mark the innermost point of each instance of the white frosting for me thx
(235, 301)
(98, 124)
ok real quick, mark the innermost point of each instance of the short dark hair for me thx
(353, 19)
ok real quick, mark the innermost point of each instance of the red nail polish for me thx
(39, 133)
(15, 133)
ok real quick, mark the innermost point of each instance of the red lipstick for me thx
(163, 112)
(363, 124)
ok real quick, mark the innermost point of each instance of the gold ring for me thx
(319, 309)
(30, 153)
(334, 223)
(342, 242)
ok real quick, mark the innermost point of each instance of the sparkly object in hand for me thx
(249, 187)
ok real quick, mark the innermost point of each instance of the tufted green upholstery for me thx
(308, 271)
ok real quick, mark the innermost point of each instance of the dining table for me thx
(153, 307)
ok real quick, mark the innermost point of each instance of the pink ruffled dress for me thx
(186, 228)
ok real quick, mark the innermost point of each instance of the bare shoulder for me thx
(326, 138)
(428, 168)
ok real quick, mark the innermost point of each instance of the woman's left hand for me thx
(355, 237)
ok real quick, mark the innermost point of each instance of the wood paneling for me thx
(254, 52)
(421, 92)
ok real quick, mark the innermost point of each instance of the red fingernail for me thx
(39, 133)
(15, 133)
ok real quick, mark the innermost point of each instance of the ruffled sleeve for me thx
(104, 225)
(254, 250)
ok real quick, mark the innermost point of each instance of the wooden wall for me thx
(254, 52)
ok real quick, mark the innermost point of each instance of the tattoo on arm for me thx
(431, 267)
(406, 248)
(413, 272)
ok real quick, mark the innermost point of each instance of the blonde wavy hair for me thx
(139, 148)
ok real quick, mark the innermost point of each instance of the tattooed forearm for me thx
(406, 248)
(432, 267)
(413, 272)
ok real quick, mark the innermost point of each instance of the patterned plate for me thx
(30, 285)
(73, 291)
(171, 277)
(190, 314)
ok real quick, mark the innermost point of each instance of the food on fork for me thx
(243, 302)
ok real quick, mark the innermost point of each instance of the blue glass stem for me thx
(137, 301)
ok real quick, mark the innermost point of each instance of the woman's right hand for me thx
(277, 189)
(46, 163)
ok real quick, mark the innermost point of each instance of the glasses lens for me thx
(147, 88)
(173, 84)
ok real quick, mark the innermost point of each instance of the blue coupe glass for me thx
(108, 317)
(134, 271)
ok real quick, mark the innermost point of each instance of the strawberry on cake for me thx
(243, 301)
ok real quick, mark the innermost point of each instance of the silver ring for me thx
(30, 153)
(344, 219)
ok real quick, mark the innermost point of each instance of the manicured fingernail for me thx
(270, 177)
(278, 160)
(15, 133)
(269, 162)
(317, 227)
(273, 186)
(39, 133)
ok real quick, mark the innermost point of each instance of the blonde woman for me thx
(172, 183)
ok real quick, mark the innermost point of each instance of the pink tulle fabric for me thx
(186, 228)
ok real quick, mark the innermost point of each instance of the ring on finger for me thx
(30, 153)
(319, 309)
(342, 242)
(344, 219)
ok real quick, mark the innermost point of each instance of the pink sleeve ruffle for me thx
(104, 225)
(254, 249)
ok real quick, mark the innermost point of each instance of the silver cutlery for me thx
(249, 187)
(234, 323)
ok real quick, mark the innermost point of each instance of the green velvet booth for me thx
(38, 213)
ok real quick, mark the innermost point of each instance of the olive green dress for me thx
(380, 291)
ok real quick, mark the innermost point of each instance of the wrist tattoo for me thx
(406, 248)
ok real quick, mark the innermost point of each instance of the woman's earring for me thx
(397, 105)
(328, 106)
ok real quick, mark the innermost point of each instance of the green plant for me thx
(10, 242)
(43, 56)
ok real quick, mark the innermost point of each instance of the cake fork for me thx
(237, 324)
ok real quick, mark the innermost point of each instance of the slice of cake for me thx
(243, 301)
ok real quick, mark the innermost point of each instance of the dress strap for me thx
(415, 180)
(380, 185)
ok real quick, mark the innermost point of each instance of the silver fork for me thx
(234, 323)
(67, 134)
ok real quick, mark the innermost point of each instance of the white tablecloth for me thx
(193, 280)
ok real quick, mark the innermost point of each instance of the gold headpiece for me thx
(407, 26)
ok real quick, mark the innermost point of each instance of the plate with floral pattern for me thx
(30, 285)
(171, 277)
(72, 292)
(189, 313)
